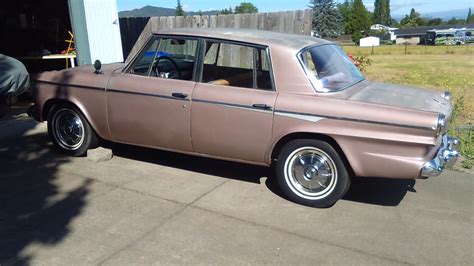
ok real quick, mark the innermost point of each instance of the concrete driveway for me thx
(146, 206)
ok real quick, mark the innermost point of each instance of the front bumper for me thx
(447, 155)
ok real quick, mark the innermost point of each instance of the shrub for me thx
(361, 62)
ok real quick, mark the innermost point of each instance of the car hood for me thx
(79, 76)
(404, 97)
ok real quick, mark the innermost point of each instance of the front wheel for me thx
(311, 172)
(69, 130)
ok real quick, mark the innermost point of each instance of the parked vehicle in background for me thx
(291, 101)
(450, 37)
(14, 81)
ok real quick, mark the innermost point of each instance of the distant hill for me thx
(445, 15)
(153, 11)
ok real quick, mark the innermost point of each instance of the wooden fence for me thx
(299, 22)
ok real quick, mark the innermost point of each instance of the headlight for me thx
(442, 123)
(447, 95)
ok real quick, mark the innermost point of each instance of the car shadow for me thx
(379, 191)
(224, 169)
(376, 191)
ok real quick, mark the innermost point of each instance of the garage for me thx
(57, 34)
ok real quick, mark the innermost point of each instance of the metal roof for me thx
(261, 37)
(424, 30)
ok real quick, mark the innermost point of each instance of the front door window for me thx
(170, 58)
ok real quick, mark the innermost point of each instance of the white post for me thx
(96, 31)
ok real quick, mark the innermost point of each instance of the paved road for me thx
(147, 206)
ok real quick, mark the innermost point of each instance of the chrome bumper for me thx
(447, 155)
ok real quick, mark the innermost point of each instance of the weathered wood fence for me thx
(299, 22)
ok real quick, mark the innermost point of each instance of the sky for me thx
(398, 7)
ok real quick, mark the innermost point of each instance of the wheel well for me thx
(49, 104)
(302, 135)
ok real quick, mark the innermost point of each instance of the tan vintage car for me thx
(256, 97)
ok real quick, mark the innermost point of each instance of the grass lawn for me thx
(437, 67)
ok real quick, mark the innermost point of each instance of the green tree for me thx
(345, 9)
(470, 17)
(435, 22)
(413, 20)
(455, 21)
(360, 20)
(179, 9)
(382, 12)
(226, 11)
(245, 7)
(326, 18)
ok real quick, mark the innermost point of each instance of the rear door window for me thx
(237, 65)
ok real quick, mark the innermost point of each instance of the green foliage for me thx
(382, 12)
(356, 36)
(470, 17)
(345, 10)
(326, 18)
(245, 7)
(413, 20)
(435, 22)
(465, 135)
(455, 21)
(226, 11)
(361, 62)
(179, 9)
(360, 20)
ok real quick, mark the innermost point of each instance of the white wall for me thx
(369, 42)
(96, 30)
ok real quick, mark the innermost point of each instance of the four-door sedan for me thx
(256, 97)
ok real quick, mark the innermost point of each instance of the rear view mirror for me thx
(178, 42)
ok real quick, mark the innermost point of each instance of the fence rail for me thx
(135, 31)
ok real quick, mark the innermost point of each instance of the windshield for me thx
(329, 68)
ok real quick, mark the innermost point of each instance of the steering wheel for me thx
(175, 66)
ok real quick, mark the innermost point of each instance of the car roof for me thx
(261, 37)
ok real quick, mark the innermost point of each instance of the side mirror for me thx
(97, 66)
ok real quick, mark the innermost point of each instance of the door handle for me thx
(262, 106)
(179, 95)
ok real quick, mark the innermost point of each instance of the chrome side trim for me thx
(310, 118)
(280, 112)
(147, 94)
(235, 106)
(70, 85)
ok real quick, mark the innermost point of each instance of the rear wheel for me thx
(311, 172)
(69, 130)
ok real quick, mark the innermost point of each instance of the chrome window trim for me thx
(307, 73)
(160, 37)
(248, 44)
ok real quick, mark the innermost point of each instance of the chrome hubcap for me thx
(310, 173)
(68, 130)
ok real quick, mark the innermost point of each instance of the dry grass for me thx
(410, 50)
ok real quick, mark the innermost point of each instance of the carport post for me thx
(96, 31)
